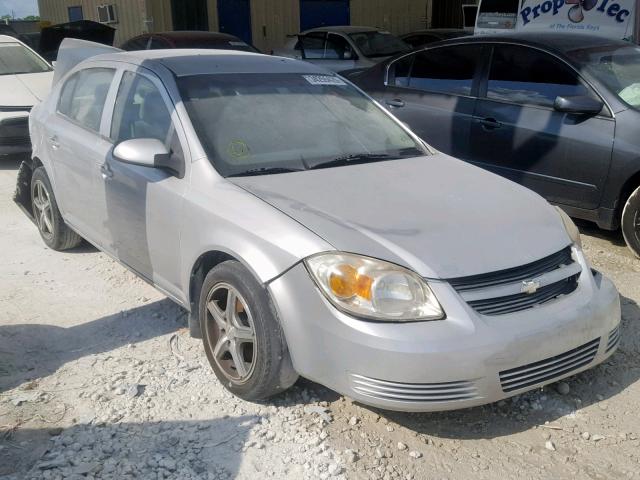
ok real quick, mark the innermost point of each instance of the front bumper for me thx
(465, 360)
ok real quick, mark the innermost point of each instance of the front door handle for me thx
(395, 103)
(106, 171)
(53, 140)
(490, 123)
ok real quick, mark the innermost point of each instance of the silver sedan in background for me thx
(310, 233)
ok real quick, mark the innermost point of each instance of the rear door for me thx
(434, 92)
(518, 134)
(143, 205)
(78, 148)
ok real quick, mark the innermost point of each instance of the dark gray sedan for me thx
(559, 114)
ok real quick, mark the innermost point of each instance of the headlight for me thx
(570, 227)
(374, 289)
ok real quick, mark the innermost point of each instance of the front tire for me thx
(242, 337)
(631, 222)
(54, 231)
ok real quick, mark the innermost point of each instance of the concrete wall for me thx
(271, 20)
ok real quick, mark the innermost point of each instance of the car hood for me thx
(437, 215)
(24, 90)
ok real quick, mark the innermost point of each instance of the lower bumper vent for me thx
(414, 392)
(547, 370)
(614, 339)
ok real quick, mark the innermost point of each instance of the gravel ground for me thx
(99, 379)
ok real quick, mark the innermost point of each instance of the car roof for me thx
(561, 42)
(183, 62)
(343, 29)
(183, 35)
(8, 39)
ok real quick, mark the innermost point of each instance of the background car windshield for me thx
(15, 58)
(378, 44)
(618, 68)
(292, 121)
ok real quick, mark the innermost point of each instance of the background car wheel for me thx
(241, 334)
(55, 233)
(631, 222)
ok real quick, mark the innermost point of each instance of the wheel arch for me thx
(630, 186)
(22, 195)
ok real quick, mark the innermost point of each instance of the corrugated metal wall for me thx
(130, 14)
(271, 20)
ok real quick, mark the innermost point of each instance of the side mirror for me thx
(146, 152)
(578, 104)
(347, 55)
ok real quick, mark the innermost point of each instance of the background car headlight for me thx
(570, 227)
(374, 289)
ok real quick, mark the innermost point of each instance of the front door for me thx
(144, 204)
(77, 148)
(234, 17)
(518, 134)
(190, 15)
(434, 93)
(323, 13)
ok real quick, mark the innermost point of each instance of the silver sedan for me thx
(308, 232)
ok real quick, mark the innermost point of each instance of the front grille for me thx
(501, 292)
(524, 301)
(546, 371)
(614, 339)
(512, 275)
(414, 392)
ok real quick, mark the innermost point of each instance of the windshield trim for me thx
(28, 51)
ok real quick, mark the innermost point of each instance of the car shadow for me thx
(538, 407)
(29, 351)
(10, 162)
(168, 449)
(612, 236)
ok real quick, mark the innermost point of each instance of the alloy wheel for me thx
(230, 333)
(43, 209)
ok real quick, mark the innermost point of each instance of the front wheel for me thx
(53, 230)
(631, 222)
(242, 336)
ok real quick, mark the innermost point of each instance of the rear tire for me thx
(243, 340)
(631, 222)
(55, 233)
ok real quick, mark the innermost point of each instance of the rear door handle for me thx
(395, 103)
(106, 171)
(53, 140)
(489, 123)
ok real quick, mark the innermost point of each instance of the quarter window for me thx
(448, 70)
(140, 111)
(530, 77)
(83, 96)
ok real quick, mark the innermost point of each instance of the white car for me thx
(25, 79)
(343, 48)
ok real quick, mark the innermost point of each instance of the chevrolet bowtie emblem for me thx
(530, 286)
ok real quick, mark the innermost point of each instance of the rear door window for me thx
(84, 94)
(528, 76)
(449, 70)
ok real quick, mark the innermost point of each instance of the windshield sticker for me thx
(324, 80)
(238, 149)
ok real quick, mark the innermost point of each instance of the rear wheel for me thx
(242, 337)
(55, 233)
(631, 222)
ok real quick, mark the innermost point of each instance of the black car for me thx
(557, 113)
(421, 38)
(187, 39)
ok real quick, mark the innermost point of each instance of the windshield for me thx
(16, 58)
(618, 68)
(378, 44)
(269, 123)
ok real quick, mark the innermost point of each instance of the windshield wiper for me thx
(265, 171)
(367, 157)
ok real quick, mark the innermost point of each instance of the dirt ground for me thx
(99, 379)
